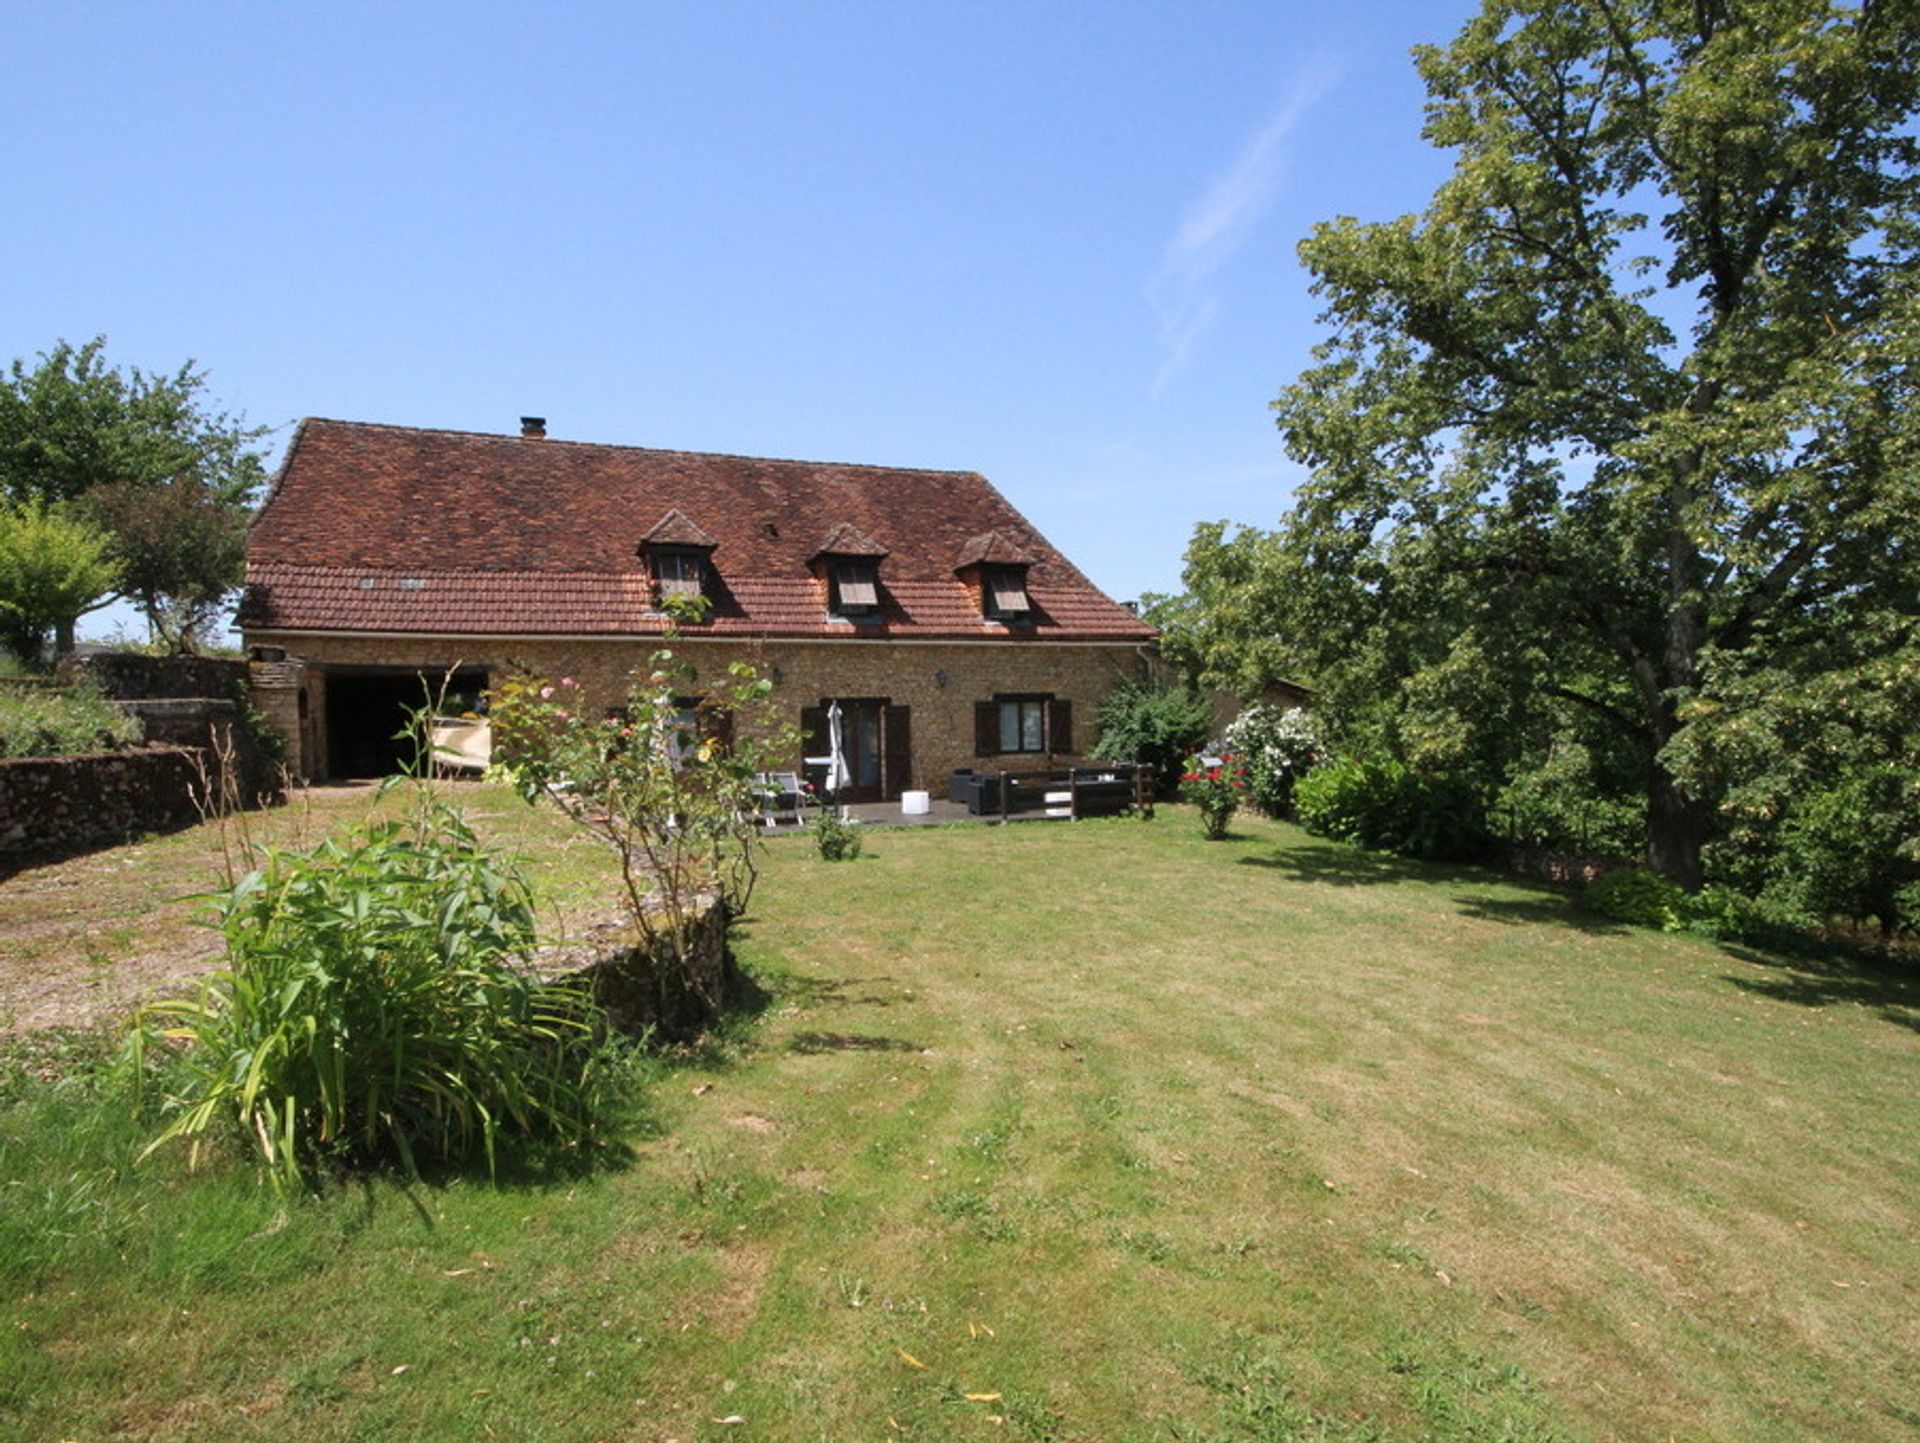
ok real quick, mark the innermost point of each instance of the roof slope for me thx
(391, 529)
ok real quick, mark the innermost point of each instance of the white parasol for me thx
(837, 776)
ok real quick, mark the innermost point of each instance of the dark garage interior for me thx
(369, 714)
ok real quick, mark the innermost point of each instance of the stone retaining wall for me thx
(59, 806)
(641, 990)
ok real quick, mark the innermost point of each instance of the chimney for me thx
(533, 428)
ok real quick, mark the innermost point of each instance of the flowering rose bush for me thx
(670, 781)
(1216, 790)
(1279, 746)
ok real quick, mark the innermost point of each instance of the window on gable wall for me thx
(855, 592)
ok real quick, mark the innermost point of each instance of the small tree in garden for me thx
(1278, 746)
(672, 788)
(1216, 790)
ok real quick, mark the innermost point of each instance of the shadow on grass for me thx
(1338, 865)
(1838, 976)
(812, 1043)
(1333, 864)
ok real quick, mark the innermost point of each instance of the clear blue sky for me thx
(1050, 242)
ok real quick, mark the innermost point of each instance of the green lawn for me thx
(1127, 1135)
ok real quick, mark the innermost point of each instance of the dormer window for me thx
(847, 566)
(855, 588)
(676, 552)
(679, 573)
(1004, 592)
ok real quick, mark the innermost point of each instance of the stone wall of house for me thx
(54, 807)
(939, 681)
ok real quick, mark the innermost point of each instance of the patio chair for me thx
(780, 795)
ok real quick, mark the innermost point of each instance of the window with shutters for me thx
(1003, 591)
(855, 589)
(679, 573)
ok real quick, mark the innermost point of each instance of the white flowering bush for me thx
(1278, 746)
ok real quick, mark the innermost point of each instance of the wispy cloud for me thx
(1182, 290)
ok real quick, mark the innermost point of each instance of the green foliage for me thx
(373, 1006)
(1383, 803)
(54, 568)
(1157, 726)
(46, 721)
(1278, 746)
(181, 550)
(144, 456)
(1564, 803)
(837, 837)
(1626, 415)
(1216, 790)
(1853, 849)
(1637, 896)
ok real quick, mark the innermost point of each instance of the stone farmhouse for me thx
(949, 630)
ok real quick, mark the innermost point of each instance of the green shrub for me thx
(1383, 803)
(1565, 803)
(371, 1009)
(44, 721)
(1853, 850)
(837, 837)
(1156, 726)
(1639, 897)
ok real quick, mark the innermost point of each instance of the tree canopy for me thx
(54, 568)
(1620, 431)
(145, 457)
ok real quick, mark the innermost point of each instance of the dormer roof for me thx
(676, 528)
(990, 548)
(846, 539)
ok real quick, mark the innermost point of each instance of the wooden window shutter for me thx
(986, 728)
(1060, 725)
(897, 753)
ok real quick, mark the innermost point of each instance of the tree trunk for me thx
(63, 636)
(1677, 828)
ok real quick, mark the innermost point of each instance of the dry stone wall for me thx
(59, 806)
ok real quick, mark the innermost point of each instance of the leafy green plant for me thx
(46, 721)
(372, 1007)
(1383, 803)
(837, 837)
(1637, 896)
(1157, 726)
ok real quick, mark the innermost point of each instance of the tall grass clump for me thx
(373, 1008)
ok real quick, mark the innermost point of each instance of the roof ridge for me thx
(648, 450)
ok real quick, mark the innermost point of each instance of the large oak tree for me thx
(1629, 409)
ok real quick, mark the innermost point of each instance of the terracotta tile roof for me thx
(390, 529)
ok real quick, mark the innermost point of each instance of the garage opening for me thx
(368, 715)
